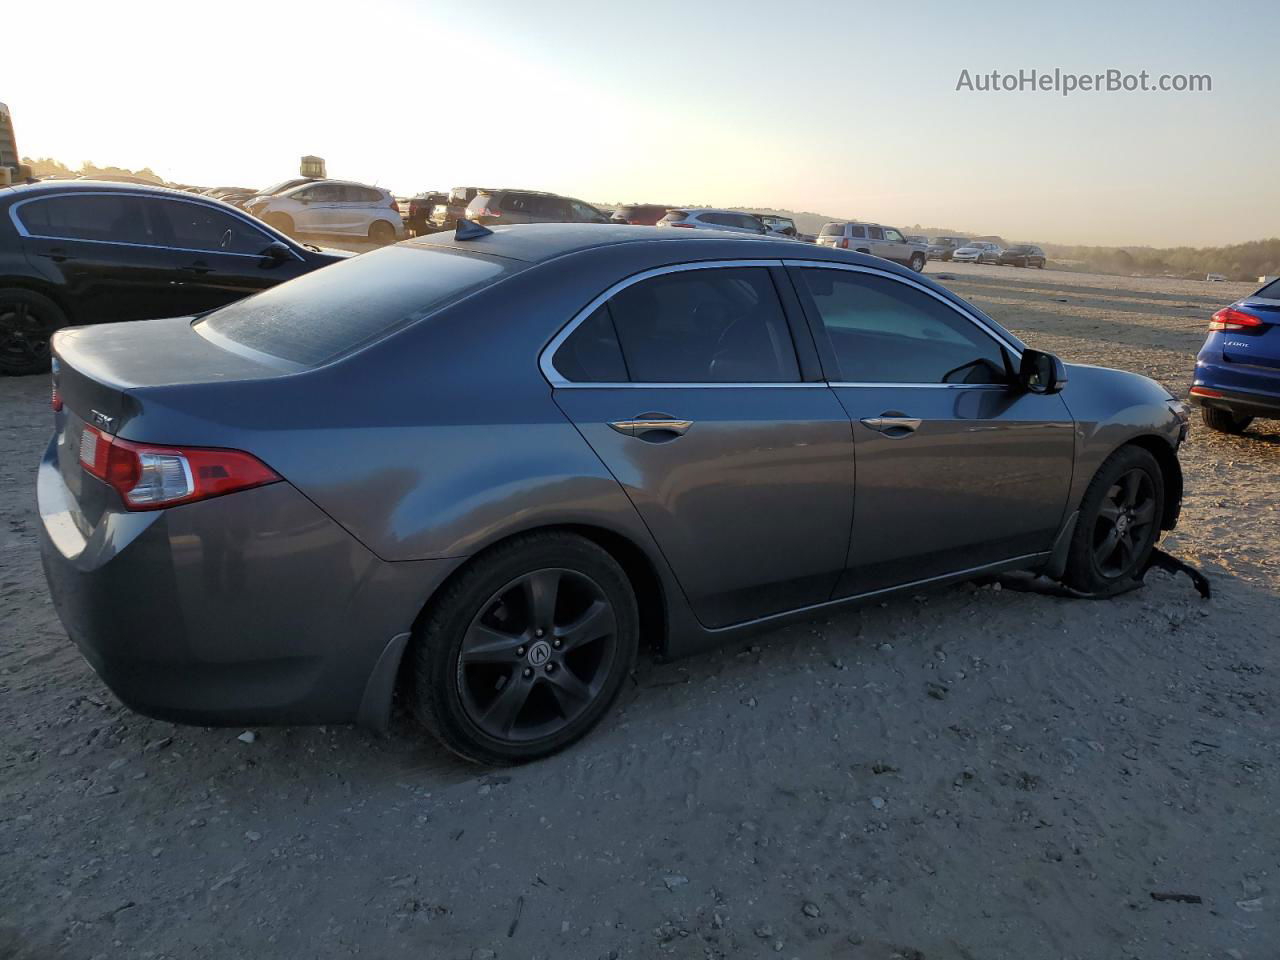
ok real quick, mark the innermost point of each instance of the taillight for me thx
(1229, 318)
(55, 395)
(395, 204)
(844, 243)
(149, 477)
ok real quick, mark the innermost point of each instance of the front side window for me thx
(715, 325)
(195, 226)
(893, 235)
(111, 218)
(584, 212)
(885, 331)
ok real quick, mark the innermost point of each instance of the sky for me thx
(842, 107)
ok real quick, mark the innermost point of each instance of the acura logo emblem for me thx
(540, 653)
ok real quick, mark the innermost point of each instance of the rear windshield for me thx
(1270, 292)
(334, 310)
(832, 230)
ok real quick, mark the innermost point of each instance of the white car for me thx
(333, 208)
(711, 219)
(977, 252)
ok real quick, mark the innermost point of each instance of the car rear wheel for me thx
(282, 222)
(382, 233)
(27, 321)
(917, 262)
(1119, 521)
(526, 649)
(1224, 421)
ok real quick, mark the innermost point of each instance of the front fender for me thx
(1112, 408)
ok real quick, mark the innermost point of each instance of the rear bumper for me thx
(1246, 404)
(249, 608)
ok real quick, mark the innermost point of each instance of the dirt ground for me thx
(972, 773)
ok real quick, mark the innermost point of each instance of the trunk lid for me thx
(1260, 346)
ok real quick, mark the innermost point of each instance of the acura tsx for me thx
(483, 469)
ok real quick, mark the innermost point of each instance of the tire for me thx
(1224, 421)
(282, 222)
(917, 262)
(27, 321)
(382, 233)
(1040, 265)
(1119, 522)
(480, 640)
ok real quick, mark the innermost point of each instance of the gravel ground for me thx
(971, 773)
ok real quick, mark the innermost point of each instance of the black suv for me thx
(77, 252)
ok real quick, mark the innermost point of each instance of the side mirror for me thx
(1041, 373)
(277, 252)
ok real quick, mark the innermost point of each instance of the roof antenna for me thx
(470, 230)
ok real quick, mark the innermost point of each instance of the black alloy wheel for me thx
(537, 655)
(1124, 524)
(27, 321)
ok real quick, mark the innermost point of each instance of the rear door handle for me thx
(652, 424)
(888, 422)
(199, 267)
(57, 254)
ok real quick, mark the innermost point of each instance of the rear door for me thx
(107, 253)
(955, 469)
(686, 383)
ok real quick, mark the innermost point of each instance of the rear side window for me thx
(857, 232)
(885, 331)
(518, 203)
(717, 325)
(335, 310)
(675, 216)
(114, 218)
(1270, 292)
(591, 354)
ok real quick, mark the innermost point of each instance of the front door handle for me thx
(57, 254)
(893, 424)
(199, 267)
(652, 426)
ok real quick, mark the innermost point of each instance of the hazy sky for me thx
(835, 106)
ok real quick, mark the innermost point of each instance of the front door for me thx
(956, 470)
(686, 384)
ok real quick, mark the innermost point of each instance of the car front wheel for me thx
(1119, 522)
(526, 649)
(382, 233)
(1224, 421)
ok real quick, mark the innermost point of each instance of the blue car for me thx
(1238, 369)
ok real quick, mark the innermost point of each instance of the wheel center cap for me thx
(1122, 522)
(539, 653)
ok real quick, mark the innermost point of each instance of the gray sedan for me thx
(481, 470)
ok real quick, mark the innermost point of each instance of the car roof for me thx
(711, 210)
(24, 190)
(539, 242)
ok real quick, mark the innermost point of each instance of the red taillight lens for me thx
(1229, 318)
(149, 477)
(395, 204)
(1205, 392)
(844, 243)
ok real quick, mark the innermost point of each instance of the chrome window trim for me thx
(557, 380)
(976, 321)
(224, 208)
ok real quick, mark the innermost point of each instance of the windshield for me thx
(334, 311)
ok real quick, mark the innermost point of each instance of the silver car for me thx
(876, 239)
(977, 251)
(705, 218)
(333, 208)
